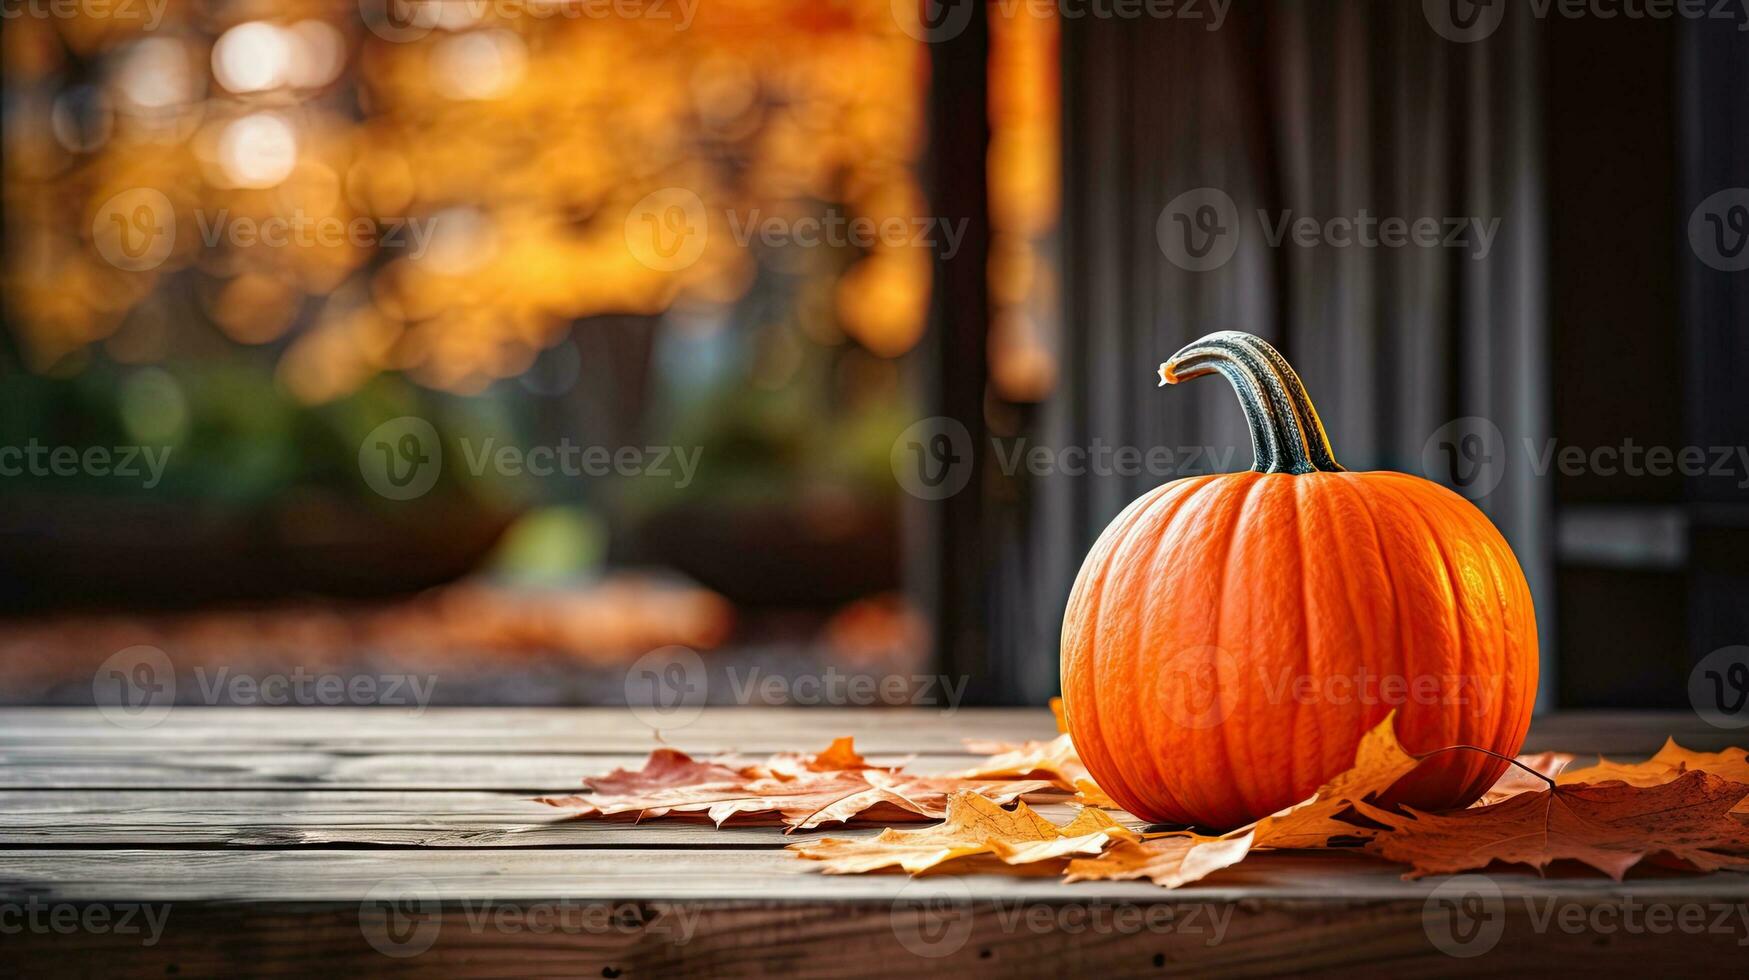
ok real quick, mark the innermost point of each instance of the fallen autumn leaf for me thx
(1609, 826)
(974, 826)
(1670, 762)
(798, 790)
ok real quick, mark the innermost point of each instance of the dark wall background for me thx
(1590, 323)
(1616, 325)
(1650, 344)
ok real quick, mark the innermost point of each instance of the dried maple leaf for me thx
(1170, 861)
(1087, 794)
(1054, 760)
(903, 797)
(840, 756)
(1181, 858)
(1312, 824)
(1530, 775)
(1379, 761)
(1609, 826)
(974, 826)
(669, 769)
(665, 769)
(801, 791)
(1671, 761)
(1090, 831)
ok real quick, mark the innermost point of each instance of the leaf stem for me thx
(1502, 757)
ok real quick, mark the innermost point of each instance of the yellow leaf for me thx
(974, 825)
(1179, 859)
(1167, 861)
(1054, 760)
(1087, 794)
(1379, 761)
(1088, 833)
(1671, 762)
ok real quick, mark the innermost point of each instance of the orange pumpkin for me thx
(1231, 637)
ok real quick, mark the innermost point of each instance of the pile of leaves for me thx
(797, 790)
(1679, 809)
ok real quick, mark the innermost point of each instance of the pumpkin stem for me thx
(1286, 434)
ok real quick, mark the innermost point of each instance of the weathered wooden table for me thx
(337, 840)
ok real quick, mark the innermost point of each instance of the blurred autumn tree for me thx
(461, 190)
(519, 136)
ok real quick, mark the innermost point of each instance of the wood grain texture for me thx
(1183, 935)
(121, 767)
(537, 731)
(282, 841)
(720, 874)
(230, 749)
(715, 913)
(523, 730)
(247, 818)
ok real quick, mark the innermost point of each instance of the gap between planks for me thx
(170, 818)
(120, 874)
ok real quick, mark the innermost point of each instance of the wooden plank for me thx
(121, 767)
(529, 731)
(721, 875)
(524, 730)
(232, 758)
(155, 818)
(713, 913)
(256, 886)
(910, 936)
